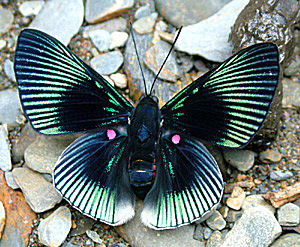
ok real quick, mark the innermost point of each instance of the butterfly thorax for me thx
(143, 137)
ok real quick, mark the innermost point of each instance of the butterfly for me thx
(154, 154)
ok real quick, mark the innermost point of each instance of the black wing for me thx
(60, 94)
(227, 105)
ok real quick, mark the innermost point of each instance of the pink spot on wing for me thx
(176, 139)
(111, 134)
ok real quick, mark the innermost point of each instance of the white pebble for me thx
(117, 39)
(120, 80)
(31, 7)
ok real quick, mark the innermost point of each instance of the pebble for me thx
(99, 10)
(101, 39)
(186, 62)
(291, 92)
(216, 221)
(155, 57)
(53, 230)
(29, 8)
(209, 38)
(280, 175)
(6, 19)
(243, 160)
(270, 156)
(9, 69)
(120, 80)
(287, 240)
(288, 215)
(5, 158)
(224, 211)
(144, 25)
(117, 39)
(2, 219)
(233, 215)
(198, 233)
(60, 19)
(293, 69)
(107, 63)
(236, 198)
(169, 37)
(256, 200)
(10, 180)
(215, 239)
(257, 227)
(39, 194)
(2, 44)
(207, 232)
(9, 106)
(142, 12)
(94, 236)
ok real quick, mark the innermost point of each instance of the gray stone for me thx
(243, 160)
(53, 230)
(43, 153)
(186, 62)
(224, 211)
(5, 159)
(183, 13)
(9, 106)
(291, 92)
(107, 63)
(10, 180)
(39, 194)
(155, 57)
(9, 69)
(142, 12)
(60, 19)
(94, 236)
(209, 38)
(207, 232)
(233, 215)
(293, 69)
(216, 221)
(144, 25)
(270, 156)
(280, 175)
(117, 39)
(99, 10)
(101, 39)
(257, 227)
(198, 233)
(215, 239)
(288, 215)
(256, 200)
(29, 8)
(287, 240)
(6, 19)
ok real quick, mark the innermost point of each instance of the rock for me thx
(94, 236)
(99, 10)
(53, 230)
(144, 25)
(11, 181)
(19, 217)
(2, 44)
(209, 38)
(2, 219)
(120, 80)
(43, 153)
(236, 198)
(183, 13)
(6, 19)
(186, 62)
(293, 69)
(155, 57)
(207, 232)
(198, 233)
(9, 70)
(280, 175)
(142, 12)
(215, 239)
(233, 215)
(243, 160)
(256, 200)
(288, 215)
(40, 194)
(216, 221)
(224, 211)
(9, 106)
(287, 240)
(107, 63)
(117, 39)
(291, 92)
(136, 234)
(60, 19)
(243, 184)
(101, 39)
(257, 227)
(29, 8)
(5, 159)
(270, 156)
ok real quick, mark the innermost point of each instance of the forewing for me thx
(228, 105)
(60, 94)
(187, 185)
(91, 175)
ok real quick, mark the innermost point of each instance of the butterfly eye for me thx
(176, 139)
(111, 134)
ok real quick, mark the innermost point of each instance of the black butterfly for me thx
(143, 150)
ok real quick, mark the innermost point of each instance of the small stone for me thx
(2, 43)
(107, 78)
(280, 175)
(6, 19)
(287, 240)
(207, 232)
(291, 92)
(94, 236)
(82, 224)
(169, 37)
(117, 39)
(99, 10)
(293, 69)
(256, 200)
(198, 234)
(101, 39)
(2, 219)
(53, 230)
(224, 211)
(233, 215)
(5, 159)
(9, 70)
(270, 156)
(142, 12)
(9, 106)
(186, 62)
(29, 8)
(243, 160)
(215, 239)
(107, 63)
(144, 25)
(120, 80)
(39, 193)
(288, 215)
(236, 198)
(11, 181)
(216, 221)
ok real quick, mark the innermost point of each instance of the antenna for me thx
(138, 58)
(166, 58)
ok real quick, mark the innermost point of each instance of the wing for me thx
(60, 94)
(91, 175)
(187, 185)
(228, 105)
